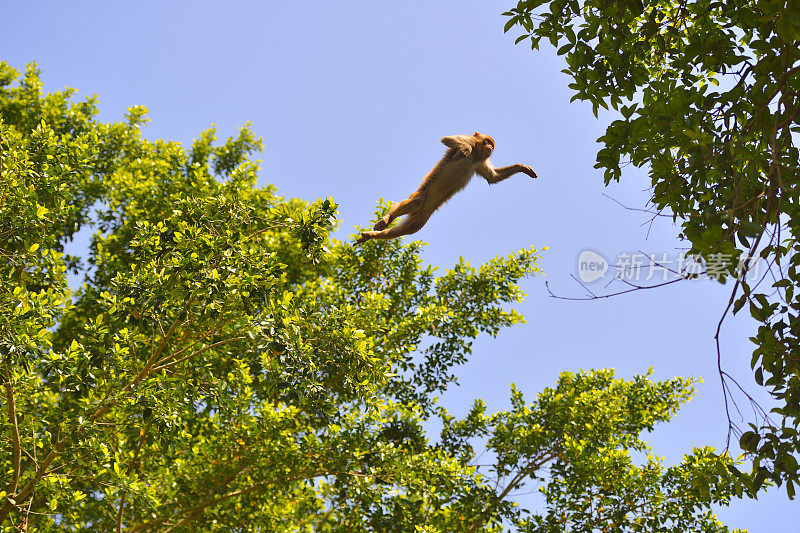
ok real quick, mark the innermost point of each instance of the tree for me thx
(227, 366)
(708, 93)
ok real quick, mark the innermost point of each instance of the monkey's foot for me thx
(365, 236)
(381, 224)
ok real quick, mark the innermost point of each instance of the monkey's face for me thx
(485, 145)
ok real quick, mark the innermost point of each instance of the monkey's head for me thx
(485, 145)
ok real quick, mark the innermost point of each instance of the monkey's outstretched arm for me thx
(462, 143)
(494, 175)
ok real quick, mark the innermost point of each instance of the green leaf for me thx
(787, 31)
(749, 441)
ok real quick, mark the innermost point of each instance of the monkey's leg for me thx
(411, 224)
(413, 203)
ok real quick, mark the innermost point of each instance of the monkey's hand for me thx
(528, 170)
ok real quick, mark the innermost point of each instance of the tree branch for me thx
(16, 449)
(163, 365)
(593, 296)
(514, 483)
(131, 468)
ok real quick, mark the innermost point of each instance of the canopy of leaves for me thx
(709, 93)
(227, 366)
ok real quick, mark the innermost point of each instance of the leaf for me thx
(739, 303)
(786, 30)
(570, 34)
(759, 478)
(749, 441)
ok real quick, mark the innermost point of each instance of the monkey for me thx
(466, 156)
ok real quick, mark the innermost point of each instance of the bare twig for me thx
(638, 209)
(611, 295)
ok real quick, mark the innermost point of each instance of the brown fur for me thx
(466, 156)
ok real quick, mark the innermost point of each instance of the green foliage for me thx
(227, 366)
(708, 93)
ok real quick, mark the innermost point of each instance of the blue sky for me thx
(351, 99)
